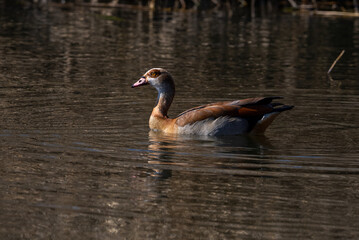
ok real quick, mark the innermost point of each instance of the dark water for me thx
(77, 160)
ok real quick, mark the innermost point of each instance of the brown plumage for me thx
(252, 115)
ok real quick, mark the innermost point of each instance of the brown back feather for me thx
(252, 107)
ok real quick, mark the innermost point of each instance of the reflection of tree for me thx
(252, 5)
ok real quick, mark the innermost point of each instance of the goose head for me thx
(158, 78)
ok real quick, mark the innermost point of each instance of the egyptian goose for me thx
(252, 115)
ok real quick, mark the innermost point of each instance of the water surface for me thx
(79, 162)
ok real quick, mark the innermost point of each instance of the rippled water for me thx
(77, 158)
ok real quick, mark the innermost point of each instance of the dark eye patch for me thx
(155, 74)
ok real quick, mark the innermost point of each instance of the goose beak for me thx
(142, 81)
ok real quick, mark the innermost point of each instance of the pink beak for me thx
(142, 81)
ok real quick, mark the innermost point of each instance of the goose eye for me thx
(155, 74)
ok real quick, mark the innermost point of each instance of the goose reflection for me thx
(177, 152)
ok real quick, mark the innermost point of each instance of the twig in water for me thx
(293, 4)
(335, 62)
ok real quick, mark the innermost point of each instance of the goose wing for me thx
(246, 108)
